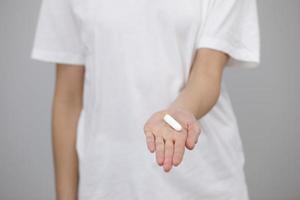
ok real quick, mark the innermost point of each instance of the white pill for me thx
(172, 122)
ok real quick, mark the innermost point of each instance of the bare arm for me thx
(199, 95)
(203, 87)
(67, 104)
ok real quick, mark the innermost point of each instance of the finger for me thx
(159, 146)
(168, 161)
(179, 148)
(193, 130)
(150, 141)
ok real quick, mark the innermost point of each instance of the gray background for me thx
(266, 101)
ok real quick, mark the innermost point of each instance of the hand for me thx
(168, 143)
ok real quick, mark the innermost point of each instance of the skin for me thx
(198, 96)
(67, 103)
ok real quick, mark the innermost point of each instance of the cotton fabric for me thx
(137, 55)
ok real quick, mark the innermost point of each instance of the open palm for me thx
(169, 144)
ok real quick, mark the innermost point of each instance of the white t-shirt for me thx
(137, 55)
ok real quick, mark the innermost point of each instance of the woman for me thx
(121, 66)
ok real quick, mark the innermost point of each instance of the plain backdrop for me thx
(266, 101)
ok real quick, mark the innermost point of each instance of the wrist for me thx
(178, 106)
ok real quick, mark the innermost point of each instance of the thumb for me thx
(193, 132)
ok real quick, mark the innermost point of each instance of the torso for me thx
(139, 53)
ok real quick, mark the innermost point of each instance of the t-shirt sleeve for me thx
(57, 37)
(232, 26)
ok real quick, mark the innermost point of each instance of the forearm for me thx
(198, 98)
(202, 89)
(64, 121)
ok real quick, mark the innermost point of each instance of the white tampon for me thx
(172, 122)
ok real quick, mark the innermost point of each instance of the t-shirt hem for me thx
(57, 57)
